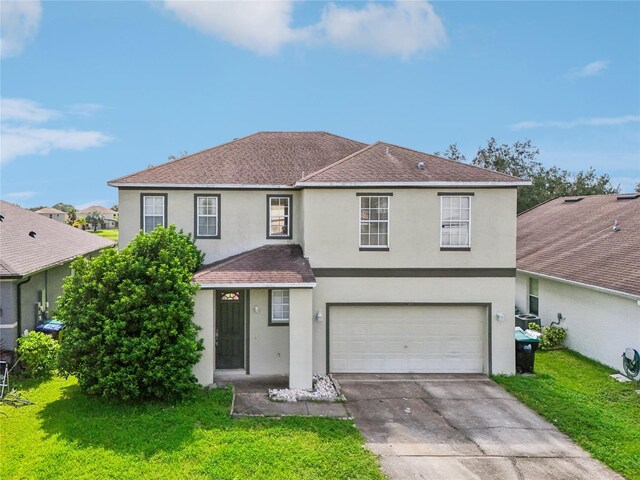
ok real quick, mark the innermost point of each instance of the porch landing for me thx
(251, 398)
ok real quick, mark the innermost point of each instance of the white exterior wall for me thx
(243, 218)
(204, 318)
(499, 292)
(599, 325)
(269, 347)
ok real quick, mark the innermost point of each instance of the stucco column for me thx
(300, 338)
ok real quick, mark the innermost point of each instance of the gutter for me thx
(583, 285)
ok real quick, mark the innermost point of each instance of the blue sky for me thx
(95, 90)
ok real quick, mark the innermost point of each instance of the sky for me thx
(91, 91)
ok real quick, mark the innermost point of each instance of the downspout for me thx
(19, 309)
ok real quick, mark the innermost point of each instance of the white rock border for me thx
(324, 389)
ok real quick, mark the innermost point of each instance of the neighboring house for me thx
(35, 253)
(110, 217)
(579, 257)
(324, 254)
(53, 213)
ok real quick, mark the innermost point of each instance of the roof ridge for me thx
(450, 160)
(338, 162)
(182, 158)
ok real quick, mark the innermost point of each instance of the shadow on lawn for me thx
(151, 428)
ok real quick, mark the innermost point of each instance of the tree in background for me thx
(638, 187)
(95, 219)
(81, 223)
(129, 333)
(35, 209)
(65, 207)
(519, 160)
(114, 207)
(72, 216)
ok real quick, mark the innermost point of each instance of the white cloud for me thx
(23, 110)
(85, 109)
(263, 27)
(401, 28)
(26, 140)
(18, 195)
(581, 122)
(19, 22)
(589, 70)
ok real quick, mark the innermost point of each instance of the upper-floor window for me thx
(533, 296)
(154, 211)
(374, 222)
(279, 209)
(207, 216)
(279, 307)
(455, 221)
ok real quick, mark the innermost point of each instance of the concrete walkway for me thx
(251, 398)
(460, 427)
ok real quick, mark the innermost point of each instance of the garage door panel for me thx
(402, 339)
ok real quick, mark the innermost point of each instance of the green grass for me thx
(109, 234)
(578, 396)
(69, 435)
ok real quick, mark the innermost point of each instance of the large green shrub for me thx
(552, 337)
(38, 353)
(129, 332)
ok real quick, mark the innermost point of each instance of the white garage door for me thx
(407, 339)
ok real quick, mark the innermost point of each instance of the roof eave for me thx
(210, 186)
(214, 285)
(438, 184)
(582, 284)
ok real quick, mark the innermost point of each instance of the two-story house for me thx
(324, 254)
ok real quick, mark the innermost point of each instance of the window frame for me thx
(289, 235)
(279, 323)
(374, 248)
(530, 295)
(196, 215)
(164, 209)
(455, 248)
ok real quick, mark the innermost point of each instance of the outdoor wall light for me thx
(319, 316)
(256, 308)
(500, 316)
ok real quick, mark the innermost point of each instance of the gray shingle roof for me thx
(54, 242)
(49, 210)
(267, 265)
(576, 241)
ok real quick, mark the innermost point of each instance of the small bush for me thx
(39, 354)
(533, 326)
(552, 337)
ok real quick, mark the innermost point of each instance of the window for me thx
(374, 222)
(279, 216)
(207, 221)
(279, 307)
(533, 296)
(455, 221)
(230, 297)
(154, 212)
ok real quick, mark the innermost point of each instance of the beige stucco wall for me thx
(599, 325)
(331, 226)
(243, 219)
(204, 318)
(499, 292)
(269, 347)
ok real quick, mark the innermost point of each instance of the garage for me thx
(407, 338)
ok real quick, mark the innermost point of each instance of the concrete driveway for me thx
(460, 427)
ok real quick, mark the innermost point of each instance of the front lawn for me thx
(69, 435)
(108, 234)
(578, 396)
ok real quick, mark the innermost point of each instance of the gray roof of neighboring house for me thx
(309, 159)
(267, 265)
(49, 210)
(576, 241)
(97, 208)
(54, 242)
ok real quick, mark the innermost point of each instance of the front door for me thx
(230, 329)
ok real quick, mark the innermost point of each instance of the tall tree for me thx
(65, 207)
(520, 160)
(95, 219)
(72, 216)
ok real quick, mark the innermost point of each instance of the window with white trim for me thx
(279, 307)
(534, 300)
(279, 225)
(455, 221)
(153, 212)
(207, 217)
(374, 221)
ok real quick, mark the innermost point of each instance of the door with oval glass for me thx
(230, 329)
